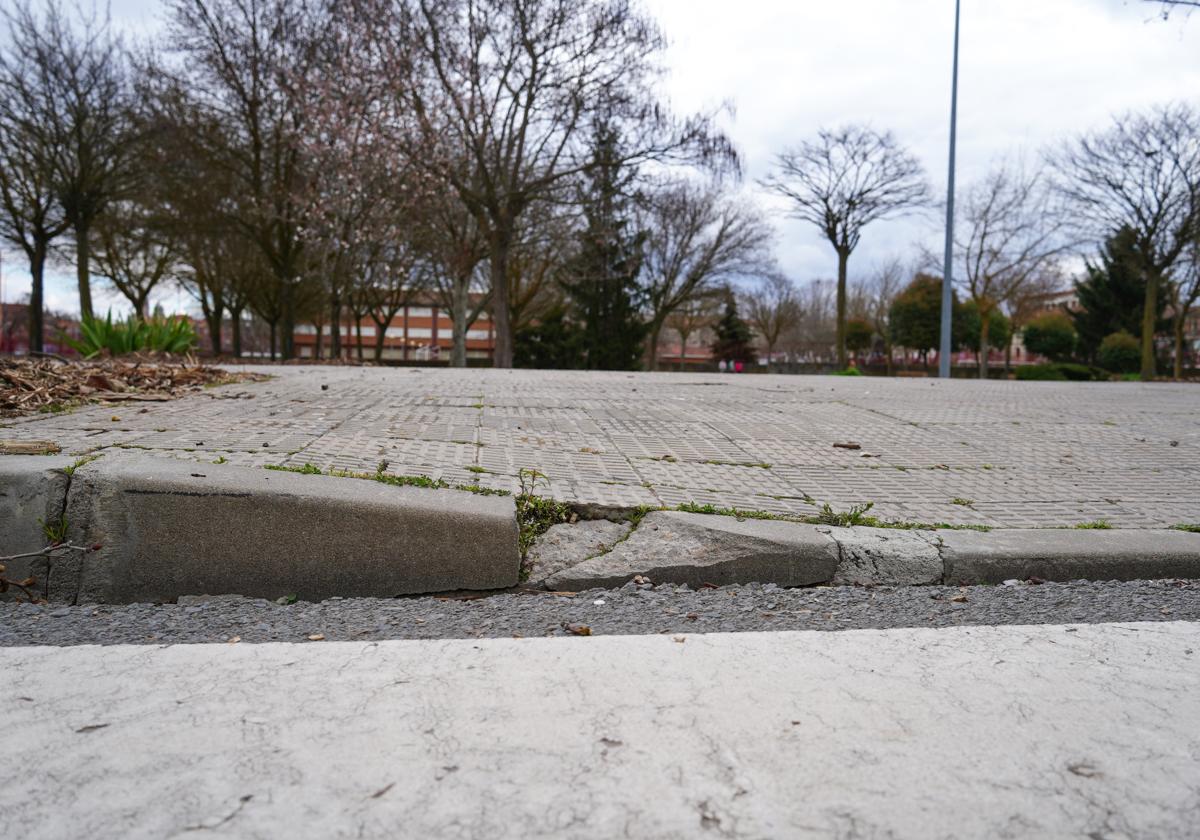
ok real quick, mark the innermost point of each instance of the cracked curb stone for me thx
(886, 557)
(33, 490)
(695, 549)
(566, 545)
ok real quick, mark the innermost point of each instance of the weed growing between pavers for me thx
(80, 462)
(759, 464)
(1098, 525)
(393, 480)
(856, 516)
(535, 514)
(1192, 528)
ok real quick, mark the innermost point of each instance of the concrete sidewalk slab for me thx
(998, 453)
(170, 528)
(1053, 731)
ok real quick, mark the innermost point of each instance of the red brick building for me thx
(418, 333)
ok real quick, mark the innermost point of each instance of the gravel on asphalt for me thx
(633, 609)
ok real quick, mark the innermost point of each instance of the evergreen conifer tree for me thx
(734, 341)
(1112, 295)
(601, 281)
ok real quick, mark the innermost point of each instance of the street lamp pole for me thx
(947, 271)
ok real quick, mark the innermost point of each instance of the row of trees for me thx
(322, 160)
(313, 161)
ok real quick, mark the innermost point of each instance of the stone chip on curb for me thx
(697, 549)
(566, 545)
(886, 557)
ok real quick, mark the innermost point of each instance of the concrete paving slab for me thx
(171, 528)
(1052, 731)
(1020, 454)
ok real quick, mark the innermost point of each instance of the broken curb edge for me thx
(171, 528)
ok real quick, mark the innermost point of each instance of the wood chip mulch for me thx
(50, 384)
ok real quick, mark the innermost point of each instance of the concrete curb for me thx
(1051, 554)
(170, 528)
(897, 557)
(33, 491)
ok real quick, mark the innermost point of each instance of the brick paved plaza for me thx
(1005, 454)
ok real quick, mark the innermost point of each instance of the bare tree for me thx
(81, 88)
(692, 317)
(841, 182)
(516, 85)
(697, 238)
(1008, 233)
(31, 217)
(1143, 172)
(880, 292)
(1168, 6)
(1184, 291)
(450, 238)
(131, 251)
(233, 78)
(772, 308)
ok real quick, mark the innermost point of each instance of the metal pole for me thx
(948, 269)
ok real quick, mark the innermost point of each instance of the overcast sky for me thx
(1032, 73)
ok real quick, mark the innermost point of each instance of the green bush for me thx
(1051, 335)
(1120, 353)
(133, 335)
(848, 372)
(1040, 373)
(1061, 372)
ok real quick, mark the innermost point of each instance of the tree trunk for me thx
(380, 335)
(652, 345)
(235, 324)
(82, 256)
(287, 295)
(320, 339)
(213, 319)
(37, 306)
(335, 328)
(358, 336)
(502, 355)
(458, 317)
(683, 340)
(1148, 323)
(273, 331)
(887, 348)
(984, 318)
(843, 258)
(1179, 323)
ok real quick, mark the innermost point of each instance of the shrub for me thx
(133, 335)
(1040, 373)
(848, 372)
(1061, 372)
(1051, 335)
(1120, 353)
